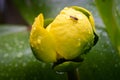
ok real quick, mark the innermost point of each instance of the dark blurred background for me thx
(24, 11)
(9, 13)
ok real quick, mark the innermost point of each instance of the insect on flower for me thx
(74, 18)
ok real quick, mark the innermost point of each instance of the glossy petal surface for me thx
(73, 33)
(42, 42)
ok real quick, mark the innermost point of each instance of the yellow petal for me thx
(87, 13)
(73, 33)
(42, 42)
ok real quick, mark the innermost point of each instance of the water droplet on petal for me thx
(39, 41)
(80, 16)
(34, 28)
(78, 44)
(79, 39)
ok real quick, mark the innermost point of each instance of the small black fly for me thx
(74, 18)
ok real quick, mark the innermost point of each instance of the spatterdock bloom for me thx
(67, 37)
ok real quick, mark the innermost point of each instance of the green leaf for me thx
(108, 14)
(17, 61)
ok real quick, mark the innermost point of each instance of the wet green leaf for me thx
(18, 63)
(16, 59)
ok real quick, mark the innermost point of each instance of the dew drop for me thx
(24, 64)
(6, 74)
(16, 65)
(8, 46)
(43, 65)
(78, 44)
(11, 79)
(95, 66)
(19, 55)
(34, 28)
(117, 11)
(119, 63)
(80, 16)
(79, 39)
(60, 72)
(2, 74)
(6, 55)
(113, 51)
(102, 46)
(104, 34)
(35, 78)
(20, 46)
(39, 41)
(9, 69)
(116, 65)
(101, 53)
(2, 61)
(108, 42)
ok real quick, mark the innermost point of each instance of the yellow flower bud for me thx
(71, 34)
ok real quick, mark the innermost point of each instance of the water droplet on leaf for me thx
(5, 55)
(60, 72)
(19, 55)
(24, 64)
(116, 65)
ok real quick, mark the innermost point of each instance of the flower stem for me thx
(73, 75)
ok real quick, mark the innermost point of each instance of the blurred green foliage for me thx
(31, 8)
(109, 11)
(18, 63)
